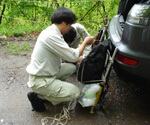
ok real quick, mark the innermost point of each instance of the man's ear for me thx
(64, 23)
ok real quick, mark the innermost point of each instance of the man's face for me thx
(66, 27)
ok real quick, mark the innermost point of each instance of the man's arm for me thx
(88, 40)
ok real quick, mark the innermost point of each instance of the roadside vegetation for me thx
(21, 18)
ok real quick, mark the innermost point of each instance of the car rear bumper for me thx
(142, 69)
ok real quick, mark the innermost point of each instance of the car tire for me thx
(128, 77)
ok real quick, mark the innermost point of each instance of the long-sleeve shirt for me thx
(49, 51)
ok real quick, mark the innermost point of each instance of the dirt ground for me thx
(130, 105)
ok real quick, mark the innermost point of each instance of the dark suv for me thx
(129, 31)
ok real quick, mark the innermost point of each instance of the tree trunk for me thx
(57, 4)
(1, 16)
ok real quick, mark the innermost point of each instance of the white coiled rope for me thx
(61, 118)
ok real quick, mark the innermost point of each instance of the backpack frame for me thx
(104, 79)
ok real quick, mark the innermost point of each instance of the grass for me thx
(17, 49)
(20, 28)
(27, 29)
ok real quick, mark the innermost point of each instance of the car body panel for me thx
(132, 41)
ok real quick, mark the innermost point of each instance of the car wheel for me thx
(128, 77)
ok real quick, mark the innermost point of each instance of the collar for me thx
(53, 26)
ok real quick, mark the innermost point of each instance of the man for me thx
(46, 70)
(75, 35)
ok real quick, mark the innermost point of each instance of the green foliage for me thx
(22, 17)
(21, 28)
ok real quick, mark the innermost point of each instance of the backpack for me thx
(92, 67)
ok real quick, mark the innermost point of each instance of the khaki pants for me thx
(55, 90)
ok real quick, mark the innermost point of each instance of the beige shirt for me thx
(49, 51)
(81, 33)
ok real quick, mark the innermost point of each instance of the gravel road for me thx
(130, 104)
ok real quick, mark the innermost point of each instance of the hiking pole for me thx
(104, 32)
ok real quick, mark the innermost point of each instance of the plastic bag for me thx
(88, 94)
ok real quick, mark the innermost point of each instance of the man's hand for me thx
(80, 58)
(89, 40)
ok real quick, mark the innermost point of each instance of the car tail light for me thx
(126, 60)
